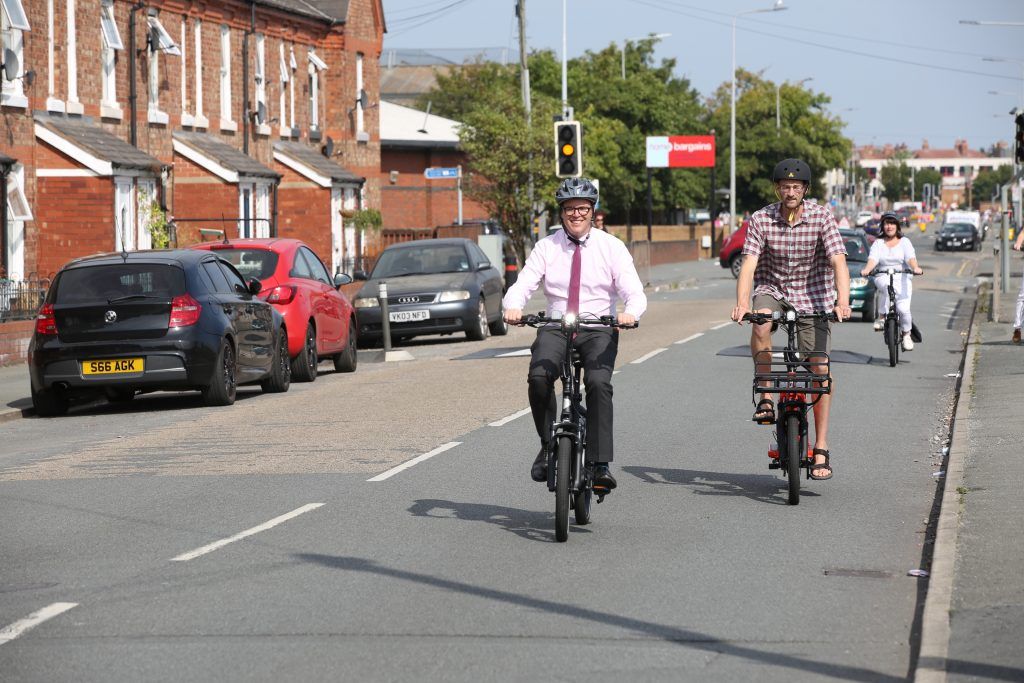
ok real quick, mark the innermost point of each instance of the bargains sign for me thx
(681, 151)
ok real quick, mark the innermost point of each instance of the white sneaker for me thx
(878, 325)
(908, 343)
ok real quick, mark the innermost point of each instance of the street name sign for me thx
(435, 172)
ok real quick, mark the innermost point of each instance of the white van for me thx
(972, 217)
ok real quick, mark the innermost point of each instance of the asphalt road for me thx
(274, 540)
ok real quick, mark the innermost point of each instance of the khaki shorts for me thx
(812, 335)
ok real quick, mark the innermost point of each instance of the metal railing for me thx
(21, 299)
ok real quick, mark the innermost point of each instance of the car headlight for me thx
(454, 295)
(858, 282)
(366, 302)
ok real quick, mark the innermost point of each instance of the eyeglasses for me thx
(576, 210)
(795, 187)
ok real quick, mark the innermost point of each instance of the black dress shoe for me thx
(603, 479)
(539, 471)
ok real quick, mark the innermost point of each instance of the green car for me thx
(862, 289)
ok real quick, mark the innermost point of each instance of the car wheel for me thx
(222, 387)
(304, 365)
(499, 328)
(480, 330)
(347, 360)
(734, 265)
(119, 394)
(49, 402)
(280, 377)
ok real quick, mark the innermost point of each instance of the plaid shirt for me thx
(794, 264)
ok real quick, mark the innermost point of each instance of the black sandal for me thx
(766, 409)
(820, 466)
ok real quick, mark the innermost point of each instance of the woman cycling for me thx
(893, 250)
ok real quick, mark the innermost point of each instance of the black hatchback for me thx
(117, 324)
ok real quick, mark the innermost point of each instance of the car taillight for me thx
(46, 323)
(282, 294)
(184, 311)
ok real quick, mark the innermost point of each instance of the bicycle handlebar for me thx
(787, 317)
(892, 271)
(541, 320)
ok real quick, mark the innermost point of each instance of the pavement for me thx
(973, 619)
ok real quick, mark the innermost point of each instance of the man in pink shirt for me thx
(604, 274)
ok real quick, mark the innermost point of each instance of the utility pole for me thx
(524, 77)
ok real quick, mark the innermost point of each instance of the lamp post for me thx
(627, 41)
(975, 22)
(778, 99)
(732, 111)
(1009, 61)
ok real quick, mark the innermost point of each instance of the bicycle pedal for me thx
(774, 464)
(600, 498)
(764, 422)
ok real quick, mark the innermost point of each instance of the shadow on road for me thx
(663, 632)
(533, 526)
(761, 488)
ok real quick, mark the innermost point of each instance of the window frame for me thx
(199, 118)
(360, 117)
(12, 93)
(15, 186)
(260, 78)
(226, 122)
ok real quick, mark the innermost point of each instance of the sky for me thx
(898, 71)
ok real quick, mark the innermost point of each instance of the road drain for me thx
(860, 573)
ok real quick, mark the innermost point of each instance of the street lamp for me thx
(975, 22)
(778, 6)
(649, 36)
(778, 88)
(1009, 61)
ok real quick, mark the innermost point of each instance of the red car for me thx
(731, 254)
(319, 319)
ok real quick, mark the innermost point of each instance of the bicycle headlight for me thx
(569, 319)
(790, 316)
(366, 302)
(859, 282)
(454, 295)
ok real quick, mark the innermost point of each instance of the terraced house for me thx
(256, 117)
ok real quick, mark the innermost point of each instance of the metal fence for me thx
(21, 299)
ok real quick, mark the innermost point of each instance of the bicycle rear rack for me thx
(779, 379)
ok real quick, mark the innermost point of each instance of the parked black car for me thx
(117, 324)
(437, 286)
(958, 236)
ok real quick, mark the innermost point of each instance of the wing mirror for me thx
(341, 279)
(254, 286)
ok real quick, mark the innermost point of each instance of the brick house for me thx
(189, 105)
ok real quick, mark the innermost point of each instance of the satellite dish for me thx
(11, 65)
(261, 113)
(363, 100)
(328, 148)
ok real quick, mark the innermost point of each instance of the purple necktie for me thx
(574, 281)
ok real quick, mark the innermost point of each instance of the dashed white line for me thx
(505, 420)
(418, 459)
(185, 557)
(690, 338)
(647, 356)
(721, 325)
(9, 633)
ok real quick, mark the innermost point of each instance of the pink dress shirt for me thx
(607, 274)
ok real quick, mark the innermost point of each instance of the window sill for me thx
(54, 105)
(74, 108)
(263, 129)
(200, 121)
(187, 120)
(285, 132)
(315, 135)
(228, 126)
(362, 136)
(110, 110)
(157, 116)
(13, 100)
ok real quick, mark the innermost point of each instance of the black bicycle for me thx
(793, 380)
(570, 476)
(891, 326)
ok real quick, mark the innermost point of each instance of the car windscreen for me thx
(111, 282)
(424, 260)
(964, 228)
(251, 263)
(856, 250)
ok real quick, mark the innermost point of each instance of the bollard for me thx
(385, 323)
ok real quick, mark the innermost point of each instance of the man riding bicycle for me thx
(794, 258)
(584, 272)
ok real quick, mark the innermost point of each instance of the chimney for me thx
(924, 144)
(961, 147)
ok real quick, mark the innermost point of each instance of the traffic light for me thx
(1020, 138)
(568, 150)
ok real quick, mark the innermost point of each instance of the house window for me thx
(124, 214)
(109, 107)
(197, 56)
(254, 209)
(18, 211)
(146, 196)
(316, 65)
(226, 122)
(360, 123)
(261, 85)
(52, 103)
(159, 41)
(13, 22)
(186, 116)
(285, 77)
(292, 68)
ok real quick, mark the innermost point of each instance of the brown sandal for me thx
(766, 410)
(820, 466)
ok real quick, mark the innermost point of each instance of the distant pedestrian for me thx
(599, 219)
(1018, 315)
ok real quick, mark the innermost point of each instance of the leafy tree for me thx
(927, 176)
(988, 182)
(896, 177)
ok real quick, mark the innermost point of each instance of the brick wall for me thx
(304, 210)
(14, 338)
(200, 194)
(75, 217)
(412, 200)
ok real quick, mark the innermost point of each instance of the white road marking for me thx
(185, 557)
(418, 459)
(721, 325)
(517, 352)
(647, 356)
(690, 338)
(505, 420)
(9, 633)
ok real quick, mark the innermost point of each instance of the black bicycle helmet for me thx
(889, 216)
(576, 188)
(791, 169)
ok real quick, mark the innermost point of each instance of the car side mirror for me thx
(360, 275)
(254, 286)
(341, 279)
(483, 266)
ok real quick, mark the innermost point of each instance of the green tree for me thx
(988, 183)
(895, 178)
(927, 176)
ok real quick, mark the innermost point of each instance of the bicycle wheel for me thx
(563, 475)
(794, 457)
(581, 506)
(892, 339)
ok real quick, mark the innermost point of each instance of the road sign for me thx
(436, 172)
(681, 151)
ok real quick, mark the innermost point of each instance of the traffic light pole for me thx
(650, 207)
(1004, 242)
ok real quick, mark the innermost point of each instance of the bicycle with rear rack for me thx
(798, 388)
(570, 475)
(891, 324)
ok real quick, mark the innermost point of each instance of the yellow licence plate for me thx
(115, 366)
